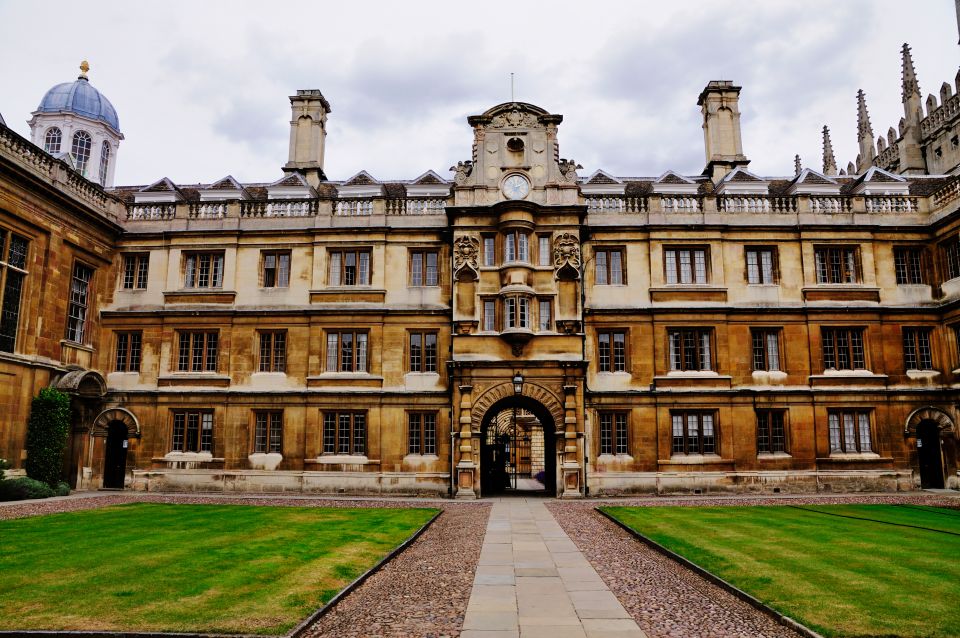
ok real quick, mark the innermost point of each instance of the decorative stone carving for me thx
(515, 119)
(466, 253)
(566, 256)
(463, 170)
(568, 168)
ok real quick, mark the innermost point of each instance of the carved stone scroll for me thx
(566, 256)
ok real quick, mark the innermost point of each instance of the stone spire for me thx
(829, 160)
(797, 167)
(910, 148)
(910, 85)
(868, 150)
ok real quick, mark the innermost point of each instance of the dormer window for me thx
(51, 141)
(104, 162)
(81, 150)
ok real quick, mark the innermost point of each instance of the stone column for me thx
(571, 487)
(467, 478)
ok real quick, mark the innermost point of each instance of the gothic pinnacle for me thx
(910, 86)
(829, 160)
(864, 129)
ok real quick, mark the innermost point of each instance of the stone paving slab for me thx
(533, 582)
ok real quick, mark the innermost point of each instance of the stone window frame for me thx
(267, 432)
(758, 267)
(837, 264)
(200, 276)
(702, 444)
(673, 275)
(950, 257)
(128, 352)
(613, 432)
(201, 343)
(358, 364)
(136, 271)
(424, 275)
(272, 351)
(520, 243)
(604, 272)
(422, 362)
(772, 424)
(917, 347)
(760, 345)
(335, 440)
(13, 276)
(422, 432)
(833, 351)
(337, 274)
(703, 359)
(855, 439)
(910, 265)
(79, 301)
(614, 363)
(277, 275)
(203, 442)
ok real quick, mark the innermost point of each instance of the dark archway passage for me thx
(115, 456)
(929, 455)
(514, 453)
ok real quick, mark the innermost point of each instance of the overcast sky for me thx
(201, 87)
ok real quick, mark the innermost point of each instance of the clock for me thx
(515, 186)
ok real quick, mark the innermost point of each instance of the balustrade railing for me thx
(829, 204)
(415, 206)
(617, 204)
(891, 204)
(149, 212)
(946, 194)
(353, 207)
(756, 204)
(280, 208)
(207, 210)
(681, 204)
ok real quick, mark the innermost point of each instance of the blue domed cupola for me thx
(76, 119)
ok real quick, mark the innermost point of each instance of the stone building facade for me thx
(681, 333)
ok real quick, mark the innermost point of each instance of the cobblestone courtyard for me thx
(522, 567)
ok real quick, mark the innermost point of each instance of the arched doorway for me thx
(929, 455)
(115, 456)
(518, 450)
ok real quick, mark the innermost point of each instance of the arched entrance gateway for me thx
(518, 450)
(117, 428)
(935, 444)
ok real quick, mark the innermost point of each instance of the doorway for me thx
(929, 455)
(518, 449)
(115, 456)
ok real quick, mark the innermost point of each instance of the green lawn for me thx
(206, 568)
(838, 576)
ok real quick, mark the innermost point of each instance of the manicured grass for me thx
(839, 576)
(210, 568)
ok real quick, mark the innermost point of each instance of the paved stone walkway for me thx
(532, 581)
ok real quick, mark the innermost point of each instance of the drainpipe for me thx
(583, 357)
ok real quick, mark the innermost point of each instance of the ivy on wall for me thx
(47, 433)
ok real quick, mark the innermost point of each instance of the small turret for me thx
(829, 159)
(864, 135)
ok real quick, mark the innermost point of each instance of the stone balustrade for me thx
(681, 204)
(891, 204)
(756, 204)
(829, 204)
(151, 212)
(616, 204)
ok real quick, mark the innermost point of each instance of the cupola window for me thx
(51, 141)
(81, 150)
(104, 162)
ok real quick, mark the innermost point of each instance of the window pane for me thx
(489, 254)
(283, 270)
(334, 269)
(413, 434)
(364, 274)
(616, 268)
(333, 340)
(834, 422)
(849, 433)
(416, 269)
(429, 433)
(276, 432)
(601, 268)
(430, 353)
(359, 433)
(678, 434)
(544, 250)
(773, 351)
(864, 424)
(179, 428)
(700, 264)
(671, 266)
(260, 433)
(620, 420)
(545, 320)
(606, 433)
(415, 351)
(433, 272)
(329, 433)
(753, 268)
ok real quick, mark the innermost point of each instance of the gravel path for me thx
(666, 599)
(422, 592)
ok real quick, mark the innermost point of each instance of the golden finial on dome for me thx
(84, 67)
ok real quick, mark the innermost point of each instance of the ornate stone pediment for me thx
(566, 256)
(466, 258)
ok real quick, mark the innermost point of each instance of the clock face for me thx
(516, 187)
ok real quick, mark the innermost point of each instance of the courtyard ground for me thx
(425, 591)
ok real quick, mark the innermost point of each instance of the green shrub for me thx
(62, 489)
(47, 434)
(4, 465)
(22, 488)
